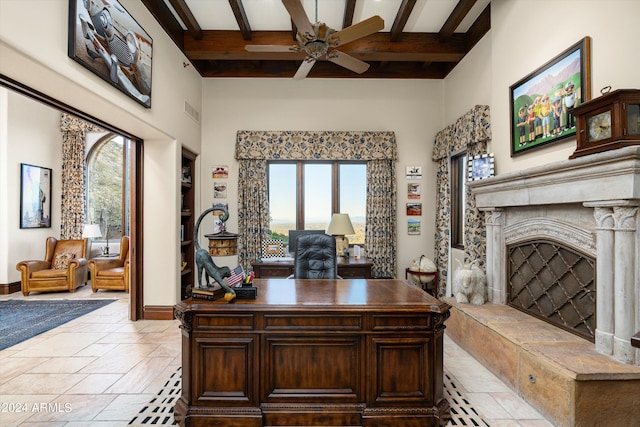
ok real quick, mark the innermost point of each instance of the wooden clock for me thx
(608, 122)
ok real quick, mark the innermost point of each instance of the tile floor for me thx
(101, 369)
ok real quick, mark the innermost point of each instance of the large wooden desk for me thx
(350, 268)
(315, 353)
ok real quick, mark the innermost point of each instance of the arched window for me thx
(107, 197)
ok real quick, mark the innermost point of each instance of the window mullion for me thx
(335, 187)
(300, 196)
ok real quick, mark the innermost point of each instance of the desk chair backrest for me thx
(316, 257)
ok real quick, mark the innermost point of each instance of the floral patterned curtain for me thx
(471, 132)
(73, 174)
(255, 148)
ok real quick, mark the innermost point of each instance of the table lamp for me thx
(339, 226)
(91, 231)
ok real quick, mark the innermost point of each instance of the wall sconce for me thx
(339, 226)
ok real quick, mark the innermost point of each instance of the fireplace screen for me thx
(554, 283)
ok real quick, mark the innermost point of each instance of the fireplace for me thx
(553, 282)
(583, 218)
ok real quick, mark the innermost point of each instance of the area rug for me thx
(159, 411)
(22, 320)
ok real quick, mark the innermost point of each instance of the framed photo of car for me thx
(107, 40)
(542, 101)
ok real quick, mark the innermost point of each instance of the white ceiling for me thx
(263, 15)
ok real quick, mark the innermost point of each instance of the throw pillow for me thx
(61, 261)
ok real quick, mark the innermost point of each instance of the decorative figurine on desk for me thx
(204, 262)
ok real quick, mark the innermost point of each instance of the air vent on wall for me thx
(192, 112)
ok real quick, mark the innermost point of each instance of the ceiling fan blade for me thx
(347, 61)
(304, 69)
(299, 16)
(356, 31)
(269, 48)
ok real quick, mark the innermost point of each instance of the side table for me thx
(433, 274)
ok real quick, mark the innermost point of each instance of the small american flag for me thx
(237, 276)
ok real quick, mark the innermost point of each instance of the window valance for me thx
(472, 128)
(324, 145)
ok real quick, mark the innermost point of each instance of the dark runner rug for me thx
(159, 411)
(22, 320)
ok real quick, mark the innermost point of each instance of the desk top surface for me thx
(328, 295)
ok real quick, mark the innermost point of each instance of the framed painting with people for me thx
(541, 103)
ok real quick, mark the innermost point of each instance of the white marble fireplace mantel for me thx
(591, 203)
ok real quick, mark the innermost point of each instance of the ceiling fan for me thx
(319, 41)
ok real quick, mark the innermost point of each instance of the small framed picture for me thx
(414, 172)
(272, 248)
(220, 171)
(414, 209)
(413, 226)
(413, 190)
(481, 166)
(219, 190)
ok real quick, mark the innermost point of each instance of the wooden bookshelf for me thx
(187, 273)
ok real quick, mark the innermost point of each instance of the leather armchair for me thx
(111, 273)
(316, 257)
(64, 267)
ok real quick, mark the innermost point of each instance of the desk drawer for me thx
(354, 272)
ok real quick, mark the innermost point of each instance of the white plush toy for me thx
(470, 284)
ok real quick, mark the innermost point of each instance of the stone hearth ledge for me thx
(557, 372)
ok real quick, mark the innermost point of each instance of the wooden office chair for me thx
(111, 273)
(64, 267)
(316, 257)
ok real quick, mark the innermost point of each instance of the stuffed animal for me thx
(470, 284)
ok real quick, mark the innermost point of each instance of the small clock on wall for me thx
(608, 122)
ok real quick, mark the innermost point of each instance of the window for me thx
(107, 198)
(458, 199)
(303, 195)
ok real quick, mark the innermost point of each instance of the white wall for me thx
(528, 33)
(33, 51)
(39, 145)
(410, 108)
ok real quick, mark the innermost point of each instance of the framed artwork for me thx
(413, 190)
(220, 171)
(272, 248)
(414, 209)
(413, 226)
(481, 166)
(541, 102)
(219, 190)
(35, 196)
(414, 172)
(104, 38)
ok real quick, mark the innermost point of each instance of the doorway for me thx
(131, 169)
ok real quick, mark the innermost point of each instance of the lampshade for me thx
(91, 231)
(340, 225)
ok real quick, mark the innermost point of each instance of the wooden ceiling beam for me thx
(479, 28)
(241, 18)
(419, 47)
(349, 8)
(401, 19)
(455, 18)
(321, 69)
(183, 11)
(168, 22)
